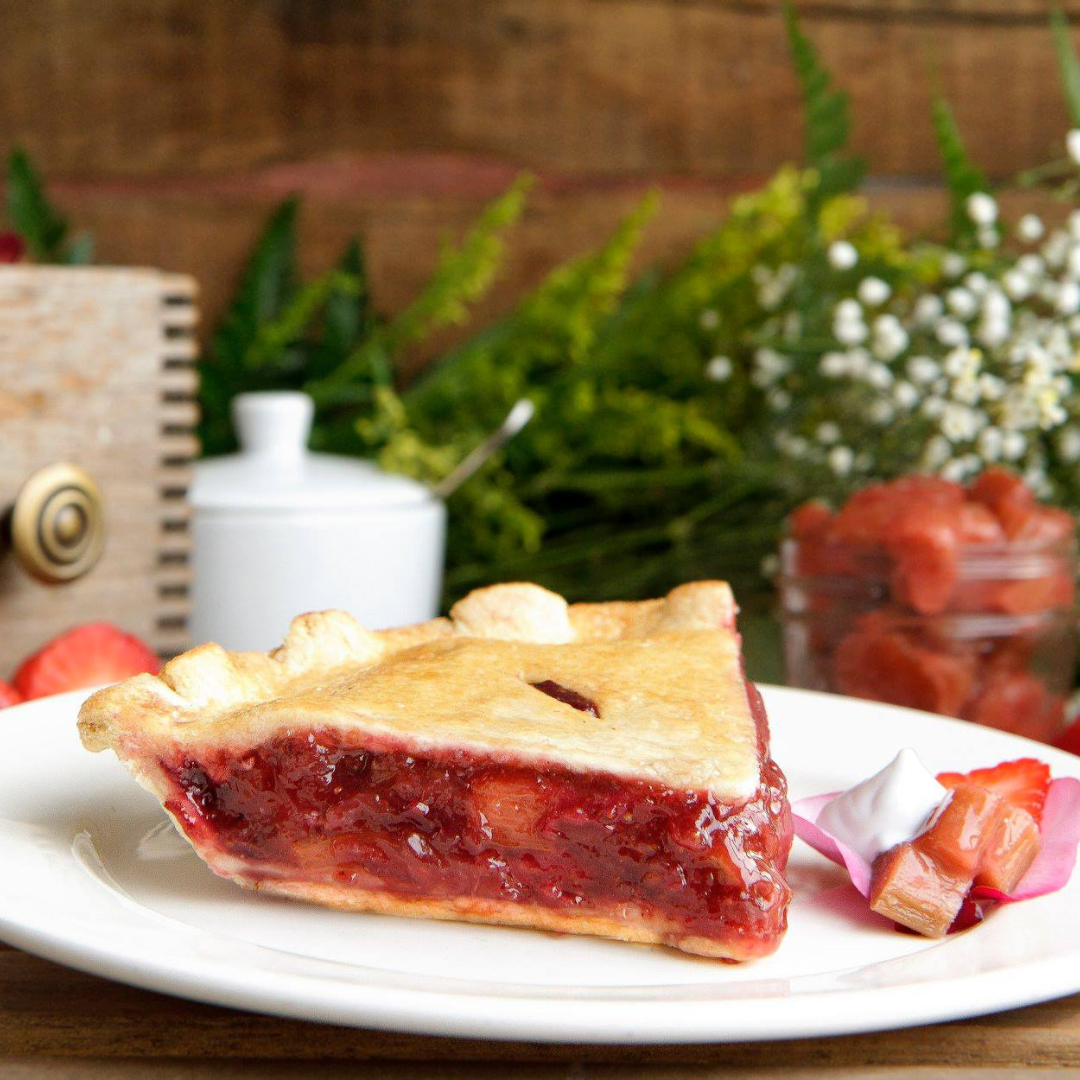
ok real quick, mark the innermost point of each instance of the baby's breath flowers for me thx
(974, 361)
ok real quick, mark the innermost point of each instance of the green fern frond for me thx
(826, 114)
(963, 177)
(464, 273)
(1068, 64)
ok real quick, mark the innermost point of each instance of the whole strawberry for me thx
(8, 695)
(87, 656)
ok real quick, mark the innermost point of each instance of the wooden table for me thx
(58, 1023)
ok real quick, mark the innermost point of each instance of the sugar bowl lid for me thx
(275, 471)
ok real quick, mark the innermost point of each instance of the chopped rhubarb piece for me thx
(887, 665)
(912, 890)
(963, 830)
(809, 519)
(1023, 783)
(1011, 851)
(925, 549)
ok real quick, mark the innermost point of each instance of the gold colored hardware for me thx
(57, 524)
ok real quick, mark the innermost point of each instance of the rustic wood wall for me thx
(170, 126)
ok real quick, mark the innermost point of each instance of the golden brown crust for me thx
(665, 675)
(642, 928)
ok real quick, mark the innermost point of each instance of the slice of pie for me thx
(594, 769)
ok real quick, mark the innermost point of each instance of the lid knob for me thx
(274, 424)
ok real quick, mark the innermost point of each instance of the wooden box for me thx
(97, 370)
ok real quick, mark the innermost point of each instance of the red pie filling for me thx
(319, 806)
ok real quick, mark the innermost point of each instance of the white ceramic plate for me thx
(93, 879)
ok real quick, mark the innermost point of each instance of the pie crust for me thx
(643, 705)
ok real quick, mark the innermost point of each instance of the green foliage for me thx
(1068, 64)
(325, 336)
(29, 212)
(826, 114)
(963, 177)
(463, 274)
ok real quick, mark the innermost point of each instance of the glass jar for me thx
(990, 637)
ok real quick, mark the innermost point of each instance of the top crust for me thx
(665, 676)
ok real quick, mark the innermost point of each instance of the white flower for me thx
(928, 309)
(709, 319)
(881, 412)
(827, 433)
(797, 446)
(1069, 445)
(1013, 445)
(841, 458)
(923, 369)
(719, 368)
(834, 364)
(953, 265)
(982, 208)
(993, 333)
(995, 304)
(991, 387)
(779, 400)
(936, 452)
(1031, 265)
(849, 332)
(962, 302)
(1017, 284)
(1068, 298)
(950, 332)
(848, 310)
(988, 238)
(1030, 228)
(953, 470)
(958, 423)
(769, 367)
(879, 377)
(989, 443)
(1072, 144)
(933, 406)
(858, 363)
(977, 282)
(1055, 250)
(842, 255)
(873, 292)
(905, 395)
(890, 338)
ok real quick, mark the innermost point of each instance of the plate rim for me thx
(547, 1018)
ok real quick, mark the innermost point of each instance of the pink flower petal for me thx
(1050, 871)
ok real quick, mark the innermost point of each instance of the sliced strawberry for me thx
(1022, 783)
(8, 695)
(86, 656)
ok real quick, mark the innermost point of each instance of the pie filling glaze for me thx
(602, 769)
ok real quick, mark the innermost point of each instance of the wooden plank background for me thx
(169, 127)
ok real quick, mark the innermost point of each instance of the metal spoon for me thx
(516, 419)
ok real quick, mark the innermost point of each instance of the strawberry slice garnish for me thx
(1023, 783)
(8, 695)
(89, 655)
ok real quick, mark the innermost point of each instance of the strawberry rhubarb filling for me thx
(328, 808)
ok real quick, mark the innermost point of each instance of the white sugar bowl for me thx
(278, 530)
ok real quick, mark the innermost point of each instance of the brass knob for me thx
(57, 524)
